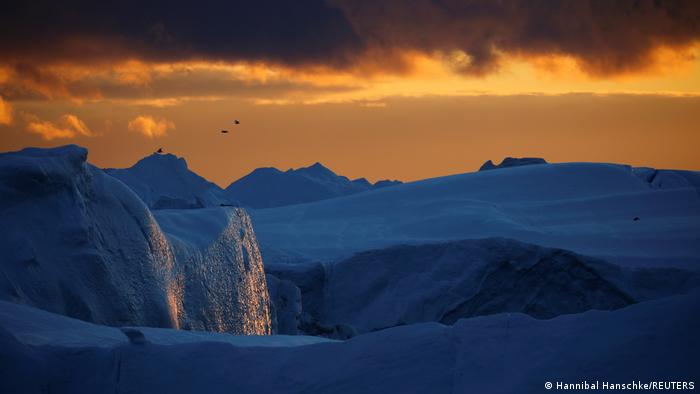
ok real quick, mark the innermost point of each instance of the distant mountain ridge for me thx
(164, 181)
(270, 187)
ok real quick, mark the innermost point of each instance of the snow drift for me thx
(37, 327)
(505, 353)
(80, 243)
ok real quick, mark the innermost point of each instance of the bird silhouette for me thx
(236, 122)
(160, 150)
(224, 131)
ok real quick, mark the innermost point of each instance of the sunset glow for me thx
(368, 107)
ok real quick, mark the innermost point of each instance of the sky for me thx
(393, 89)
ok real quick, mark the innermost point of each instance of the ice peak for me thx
(163, 160)
(512, 162)
(316, 170)
(71, 152)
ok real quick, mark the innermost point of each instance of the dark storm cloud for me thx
(607, 36)
(289, 32)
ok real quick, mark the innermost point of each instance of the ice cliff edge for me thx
(80, 243)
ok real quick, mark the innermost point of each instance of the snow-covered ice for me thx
(505, 353)
(80, 243)
(37, 327)
(270, 187)
(468, 310)
(164, 181)
(588, 208)
(446, 281)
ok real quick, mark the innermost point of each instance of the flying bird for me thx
(236, 122)
(224, 131)
(160, 150)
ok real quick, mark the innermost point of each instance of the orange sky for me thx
(409, 115)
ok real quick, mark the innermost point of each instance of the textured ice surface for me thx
(444, 282)
(220, 271)
(78, 242)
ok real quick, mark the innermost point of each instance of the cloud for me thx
(311, 31)
(69, 126)
(73, 123)
(158, 83)
(151, 127)
(605, 37)
(5, 112)
(316, 50)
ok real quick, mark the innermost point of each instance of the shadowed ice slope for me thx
(506, 353)
(447, 281)
(36, 327)
(78, 242)
(585, 207)
(164, 181)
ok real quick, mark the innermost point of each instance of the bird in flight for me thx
(160, 150)
(224, 131)
(236, 122)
